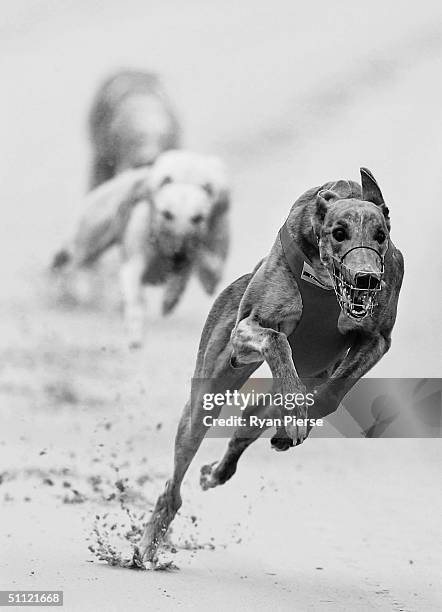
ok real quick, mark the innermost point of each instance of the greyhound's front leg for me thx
(213, 252)
(251, 343)
(134, 307)
(209, 269)
(360, 359)
(175, 286)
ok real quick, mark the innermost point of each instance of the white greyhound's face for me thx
(182, 212)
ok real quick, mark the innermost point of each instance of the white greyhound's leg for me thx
(175, 287)
(131, 276)
(209, 269)
(136, 256)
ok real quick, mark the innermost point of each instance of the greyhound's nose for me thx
(365, 280)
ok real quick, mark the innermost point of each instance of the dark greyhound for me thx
(131, 122)
(322, 303)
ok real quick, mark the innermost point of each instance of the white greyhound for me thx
(169, 220)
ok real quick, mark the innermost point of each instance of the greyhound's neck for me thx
(300, 227)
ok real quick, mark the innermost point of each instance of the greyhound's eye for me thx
(167, 215)
(196, 219)
(380, 236)
(339, 234)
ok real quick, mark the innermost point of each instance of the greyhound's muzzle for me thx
(357, 290)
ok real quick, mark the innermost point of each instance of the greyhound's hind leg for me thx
(190, 434)
(216, 473)
(213, 368)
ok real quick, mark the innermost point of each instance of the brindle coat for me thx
(251, 319)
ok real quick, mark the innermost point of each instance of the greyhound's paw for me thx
(137, 559)
(297, 433)
(281, 444)
(143, 558)
(138, 563)
(209, 281)
(168, 306)
(134, 331)
(207, 478)
(210, 287)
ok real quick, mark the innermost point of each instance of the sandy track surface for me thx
(86, 427)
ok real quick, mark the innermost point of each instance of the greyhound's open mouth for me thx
(357, 293)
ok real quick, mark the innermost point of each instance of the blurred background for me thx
(290, 95)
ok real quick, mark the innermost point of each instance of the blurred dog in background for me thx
(131, 122)
(168, 220)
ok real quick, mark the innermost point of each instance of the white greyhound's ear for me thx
(323, 199)
(371, 191)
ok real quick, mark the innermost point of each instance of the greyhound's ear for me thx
(371, 191)
(323, 199)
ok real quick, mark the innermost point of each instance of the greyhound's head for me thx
(185, 187)
(353, 238)
(182, 213)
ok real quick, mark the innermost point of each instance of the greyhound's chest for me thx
(161, 266)
(316, 342)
